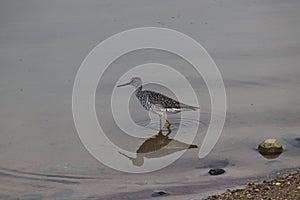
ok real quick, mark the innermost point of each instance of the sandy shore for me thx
(282, 187)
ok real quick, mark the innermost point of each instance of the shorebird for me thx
(156, 102)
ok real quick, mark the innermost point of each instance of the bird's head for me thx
(135, 81)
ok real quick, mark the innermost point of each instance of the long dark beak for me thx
(124, 84)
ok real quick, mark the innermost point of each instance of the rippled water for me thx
(176, 122)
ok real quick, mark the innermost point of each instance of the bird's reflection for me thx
(158, 146)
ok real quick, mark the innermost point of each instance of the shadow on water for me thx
(158, 146)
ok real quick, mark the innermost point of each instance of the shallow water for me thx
(43, 44)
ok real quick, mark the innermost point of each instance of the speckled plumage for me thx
(156, 102)
(159, 103)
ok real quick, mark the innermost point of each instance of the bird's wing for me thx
(167, 102)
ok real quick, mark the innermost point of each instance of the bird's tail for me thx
(188, 107)
(192, 146)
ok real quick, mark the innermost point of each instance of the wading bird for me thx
(157, 103)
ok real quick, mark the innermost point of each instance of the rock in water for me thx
(217, 171)
(159, 193)
(270, 148)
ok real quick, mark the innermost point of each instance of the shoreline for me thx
(284, 187)
(201, 191)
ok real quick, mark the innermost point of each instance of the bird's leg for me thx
(169, 132)
(169, 123)
(160, 124)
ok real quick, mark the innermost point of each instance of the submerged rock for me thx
(159, 193)
(216, 171)
(270, 148)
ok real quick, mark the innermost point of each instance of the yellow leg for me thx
(169, 123)
(169, 132)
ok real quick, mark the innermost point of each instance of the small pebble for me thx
(158, 193)
(215, 172)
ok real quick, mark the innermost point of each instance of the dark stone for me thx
(217, 171)
(159, 193)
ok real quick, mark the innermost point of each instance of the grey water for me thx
(254, 44)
